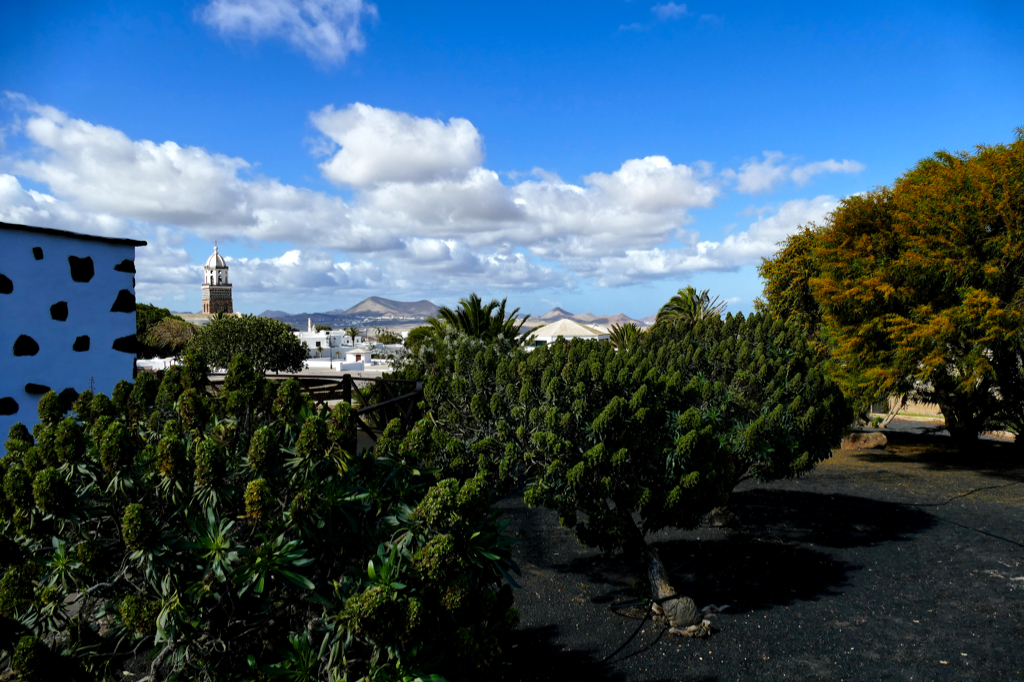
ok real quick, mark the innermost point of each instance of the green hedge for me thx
(664, 429)
(239, 536)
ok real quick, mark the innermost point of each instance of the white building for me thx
(328, 349)
(565, 329)
(67, 302)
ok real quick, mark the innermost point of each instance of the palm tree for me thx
(475, 319)
(690, 306)
(352, 332)
(623, 336)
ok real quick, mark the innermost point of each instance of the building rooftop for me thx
(73, 235)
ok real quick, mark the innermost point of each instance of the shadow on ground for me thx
(842, 574)
(767, 558)
(1004, 460)
(771, 558)
(537, 656)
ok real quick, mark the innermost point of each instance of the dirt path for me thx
(903, 564)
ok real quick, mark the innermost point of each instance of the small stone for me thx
(720, 517)
(864, 441)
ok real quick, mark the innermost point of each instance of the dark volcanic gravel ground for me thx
(902, 564)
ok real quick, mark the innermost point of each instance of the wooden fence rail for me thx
(376, 401)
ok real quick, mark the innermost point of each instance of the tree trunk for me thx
(680, 611)
(963, 425)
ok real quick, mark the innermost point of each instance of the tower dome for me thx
(216, 260)
(216, 287)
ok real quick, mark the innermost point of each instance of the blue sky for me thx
(593, 155)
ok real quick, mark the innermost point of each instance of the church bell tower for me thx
(216, 288)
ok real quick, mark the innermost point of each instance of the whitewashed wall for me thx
(38, 349)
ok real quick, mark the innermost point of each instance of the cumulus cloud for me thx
(102, 171)
(449, 267)
(29, 207)
(759, 176)
(654, 184)
(326, 30)
(759, 240)
(440, 222)
(643, 202)
(437, 193)
(763, 236)
(669, 10)
(802, 174)
(756, 176)
(379, 145)
(165, 267)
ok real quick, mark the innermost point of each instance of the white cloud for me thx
(669, 10)
(759, 176)
(326, 30)
(477, 207)
(654, 184)
(446, 226)
(106, 171)
(165, 267)
(29, 207)
(379, 145)
(102, 171)
(802, 174)
(763, 176)
(761, 239)
(449, 267)
(758, 241)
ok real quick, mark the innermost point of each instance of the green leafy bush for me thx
(239, 536)
(624, 443)
(269, 344)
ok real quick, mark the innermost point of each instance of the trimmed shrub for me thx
(240, 536)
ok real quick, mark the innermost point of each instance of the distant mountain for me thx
(585, 318)
(376, 311)
(616, 319)
(556, 314)
(383, 306)
(370, 312)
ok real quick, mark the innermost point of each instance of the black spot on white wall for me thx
(125, 302)
(59, 311)
(67, 398)
(81, 344)
(126, 344)
(36, 389)
(126, 265)
(25, 345)
(6, 285)
(8, 406)
(82, 269)
(37, 252)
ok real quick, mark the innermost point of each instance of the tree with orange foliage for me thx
(920, 287)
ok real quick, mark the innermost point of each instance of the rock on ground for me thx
(864, 441)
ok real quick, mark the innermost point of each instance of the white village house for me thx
(333, 349)
(67, 302)
(565, 329)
